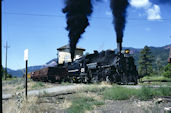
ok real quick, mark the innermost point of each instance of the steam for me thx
(77, 12)
(119, 13)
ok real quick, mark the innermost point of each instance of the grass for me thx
(37, 85)
(93, 89)
(145, 93)
(82, 104)
(13, 81)
(19, 88)
(89, 98)
(119, 93)
(154, 109)
(156, 83)
(66, 83)
(155, 78)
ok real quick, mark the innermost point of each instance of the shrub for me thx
(167, 71)
(37, 85)
(145, 93)
(119, 93)
(81, 104)
(149, 93)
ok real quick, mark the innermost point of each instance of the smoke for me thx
(77, 12)
(119, 12)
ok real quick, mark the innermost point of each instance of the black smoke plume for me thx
(119, 12)
(77, 12)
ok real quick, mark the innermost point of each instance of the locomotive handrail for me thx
(73, 70)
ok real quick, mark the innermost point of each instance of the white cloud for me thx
(153, 13)
(140, 3)
(108, 13)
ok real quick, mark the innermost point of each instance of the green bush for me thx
(163, 91)
(156, 78)
(38, 85)
(145, 93)
(119, 93)
(167, 71)
(81, 104)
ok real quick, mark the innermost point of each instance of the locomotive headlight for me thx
(82, 70)
(127, 51)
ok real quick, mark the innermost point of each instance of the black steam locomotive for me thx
(104, 66)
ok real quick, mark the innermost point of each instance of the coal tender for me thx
(104, 66)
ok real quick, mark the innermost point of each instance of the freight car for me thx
(50, 74)
(104, 66)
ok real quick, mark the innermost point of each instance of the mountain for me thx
(20, 72)
(53, 60)
(17, 73)
(161, 53)
(51, 63)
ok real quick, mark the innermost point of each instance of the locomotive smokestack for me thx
(119, 14)
(119, 44)
(77, 13)
(119, 47)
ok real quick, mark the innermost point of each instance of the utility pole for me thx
(6, 47)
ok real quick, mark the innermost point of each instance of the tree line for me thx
(148, 66)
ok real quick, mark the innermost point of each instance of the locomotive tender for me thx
(100, 66)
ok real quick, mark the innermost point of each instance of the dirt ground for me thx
(132, 106)
(61, 103)
(18, 85)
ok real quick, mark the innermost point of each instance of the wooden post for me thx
(26, 79)
(26, 59)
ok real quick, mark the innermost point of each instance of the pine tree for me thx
(145, 62)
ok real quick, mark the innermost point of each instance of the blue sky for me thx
(39, 25)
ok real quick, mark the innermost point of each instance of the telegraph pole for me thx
(6, 47)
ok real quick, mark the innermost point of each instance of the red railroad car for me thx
(50, 74)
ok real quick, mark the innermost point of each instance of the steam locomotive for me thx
(100, 66)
